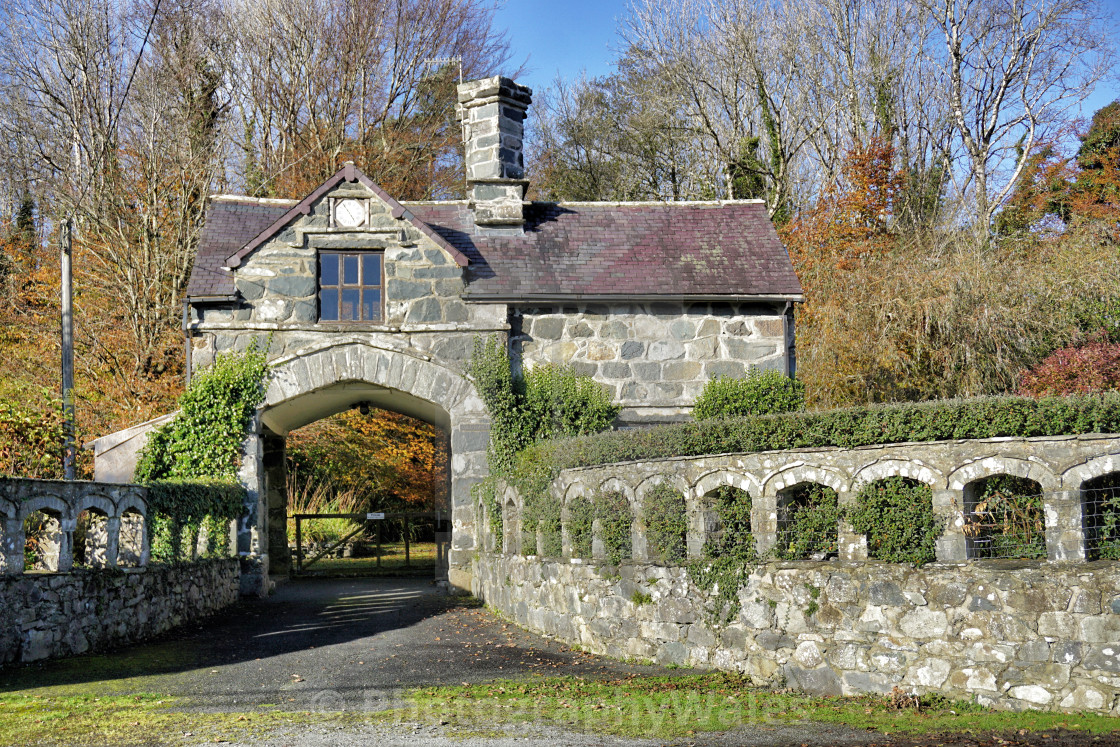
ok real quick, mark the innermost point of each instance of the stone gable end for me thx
(423, 284)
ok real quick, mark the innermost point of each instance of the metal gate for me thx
(382, 525)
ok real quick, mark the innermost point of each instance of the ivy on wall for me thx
(548, 401)
(666, 524)
(810, 526)
(896, 514)
(581, 517)
(190, 464)
(728, 555)
(204, 438)
(614, 516)
(181, 510)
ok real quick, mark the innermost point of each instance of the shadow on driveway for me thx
(337, 644)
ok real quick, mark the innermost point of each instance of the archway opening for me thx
(1004, 518)
(808, 522)
(91, 539)
(897, 517)
(43, 540)
(130, 543)
(372, 465)
(1100, 506)
(665, 524)
(727, 524)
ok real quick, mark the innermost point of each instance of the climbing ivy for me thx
(612, 511)
(581, 518)
(548, 519)
(190, 464)
(666, 524)
(179, 510)
(545, 402)
(810, 528)
(729, 554)
(896, 514)
(204, 438)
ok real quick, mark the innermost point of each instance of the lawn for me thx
(421, 561)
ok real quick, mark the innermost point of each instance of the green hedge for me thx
(858, 426)
(179, 510)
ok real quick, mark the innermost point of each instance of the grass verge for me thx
(673, 707)
(140, 719)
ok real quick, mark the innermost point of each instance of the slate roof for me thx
(568, 250)
(230, 224)
(622, 250)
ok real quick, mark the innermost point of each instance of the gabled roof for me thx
(348, 173)
(699, 250)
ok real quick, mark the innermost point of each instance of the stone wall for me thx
(1008, 633)
(655, 358)
(1012, 635)
(112, 510)
(48, 615)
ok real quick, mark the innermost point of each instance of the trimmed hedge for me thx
(180, 509)
(858, 426)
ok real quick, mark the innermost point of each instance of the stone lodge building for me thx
(368, 300)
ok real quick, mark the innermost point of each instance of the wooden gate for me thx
(403, 527)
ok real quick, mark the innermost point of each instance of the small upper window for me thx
(350, 286)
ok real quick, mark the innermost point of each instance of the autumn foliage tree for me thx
(389, 460)
(896, 315)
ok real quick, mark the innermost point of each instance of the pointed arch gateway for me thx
(322, 380)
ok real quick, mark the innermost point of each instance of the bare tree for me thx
(1012, 69)
(325, 80)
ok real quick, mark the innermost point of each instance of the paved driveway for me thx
(337, 644)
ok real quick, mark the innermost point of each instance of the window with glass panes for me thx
(350, 286)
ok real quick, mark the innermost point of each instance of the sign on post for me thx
(375, 516)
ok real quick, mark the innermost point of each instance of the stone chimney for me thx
(492, 111)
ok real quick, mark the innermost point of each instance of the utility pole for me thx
(70, 452)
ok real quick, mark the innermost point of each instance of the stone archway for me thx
(323, 380)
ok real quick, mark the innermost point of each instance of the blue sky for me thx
(561, 37)
(574, 35)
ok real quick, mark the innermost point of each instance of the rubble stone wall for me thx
(1006, 633)
(46, 615)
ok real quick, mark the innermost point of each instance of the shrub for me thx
(32, 437)
(666, 524)
(315, 494)
(612, 511)
(759, 393)
(896, 514)
(581, 516)
(559, 402)
(1007, 519)
(1092, 367)
(810, 526)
